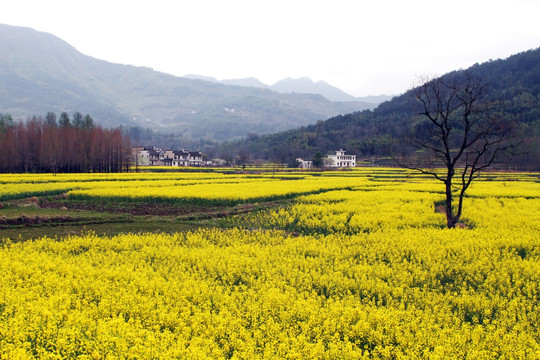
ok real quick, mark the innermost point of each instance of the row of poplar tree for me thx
(61, 144)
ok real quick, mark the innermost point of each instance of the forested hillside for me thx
(512, 83)
(40, 73)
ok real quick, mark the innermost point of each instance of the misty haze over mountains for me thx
(40, 73)
(302, 85)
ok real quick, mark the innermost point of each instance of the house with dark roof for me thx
(196, 159)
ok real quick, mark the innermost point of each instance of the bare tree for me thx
(456, 135)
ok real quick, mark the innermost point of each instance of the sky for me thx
(369, 47)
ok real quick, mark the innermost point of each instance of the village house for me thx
(304, 164)
(341, 160)
(140, 155)
(196, 159)
(180, 158)
(146, 155)
(168, 154)
(157, 157)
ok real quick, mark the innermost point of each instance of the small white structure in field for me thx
(304, 164)
(341, 160)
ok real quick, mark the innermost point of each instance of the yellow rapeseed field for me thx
(359, 266)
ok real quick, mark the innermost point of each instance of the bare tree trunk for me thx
(450, 219)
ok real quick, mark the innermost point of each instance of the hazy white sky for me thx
(363, 47)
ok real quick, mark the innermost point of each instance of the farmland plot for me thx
(359, 265)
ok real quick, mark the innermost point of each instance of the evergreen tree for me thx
(77, 120)
(64, 120)
(50, 119)
(317, 159)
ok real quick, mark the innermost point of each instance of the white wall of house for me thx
(143, 158)
(180, 163)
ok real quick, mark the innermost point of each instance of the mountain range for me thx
(40, 73)
(302, 85)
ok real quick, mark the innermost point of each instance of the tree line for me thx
(61, 144)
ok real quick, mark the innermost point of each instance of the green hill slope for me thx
(514, 83)
(41, 73)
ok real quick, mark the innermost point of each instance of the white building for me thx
(143, 157)
(304, 164)
(341, 160)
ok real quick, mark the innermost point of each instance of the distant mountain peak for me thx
(301, 85)
(200, 77)
(250, 82)
(306, 85)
